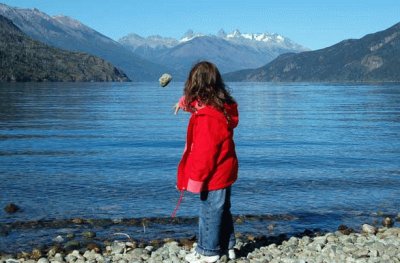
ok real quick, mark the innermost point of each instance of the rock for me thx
(345, 230)
(11, 208)
(70, 258)
(138, 252)
(78, 221)
(58, 257)
(165, 79)
(368, 229)
(117, 248)
(24, 255)
(43, 260)
(149, 248)
(93, 246)
(271, 227)
(387, 222)
(58, 239)
(36, 254)
(132, 244)
(240, 220)
(72, 245)
(70, 235)
(186, 243)
(89, 255)
(53, 250)
(89, 234)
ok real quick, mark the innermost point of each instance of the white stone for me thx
(368, 229)
(43, 260)
(149, 248)
(58, 239)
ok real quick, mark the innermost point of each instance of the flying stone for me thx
(165, 79)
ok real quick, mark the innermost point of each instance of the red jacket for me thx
(209, 161)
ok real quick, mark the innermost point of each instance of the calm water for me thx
(327, 154)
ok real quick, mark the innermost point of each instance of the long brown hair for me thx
(205, 85)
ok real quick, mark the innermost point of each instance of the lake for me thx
(322, 154)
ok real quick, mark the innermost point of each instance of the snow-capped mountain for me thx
(134, 40)
(372, 58)
(146, 58)
(265, 39)
(230, 51)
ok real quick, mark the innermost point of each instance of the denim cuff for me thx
(207, 252)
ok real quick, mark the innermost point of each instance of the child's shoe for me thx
(231, 254)
(198, 258)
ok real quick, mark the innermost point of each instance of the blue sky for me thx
(311, 23)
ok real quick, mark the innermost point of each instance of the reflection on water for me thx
(110, 150)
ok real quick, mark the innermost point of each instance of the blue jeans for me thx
(216, 231)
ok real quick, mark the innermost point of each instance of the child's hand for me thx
(176, 108)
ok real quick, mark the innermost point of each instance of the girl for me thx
(209, 165)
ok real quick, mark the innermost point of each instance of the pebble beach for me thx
(370, 244)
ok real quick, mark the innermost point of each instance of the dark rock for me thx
(72, 245)
(11, 208)
(93, 246)
(387, 222)
(89, 234)
(307, 232)
(187, 243)
(345, 230)
(70, 235)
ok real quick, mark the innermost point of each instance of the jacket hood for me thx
(231, 111)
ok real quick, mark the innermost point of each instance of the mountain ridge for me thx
(70, 34)
(374, 57)
(229, 51)
(25, 59)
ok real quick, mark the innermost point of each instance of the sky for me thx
(314, 24)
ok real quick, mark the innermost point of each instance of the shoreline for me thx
(369, 244)
(22, 236)
(344, 245)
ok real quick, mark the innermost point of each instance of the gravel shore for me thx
(344, 245)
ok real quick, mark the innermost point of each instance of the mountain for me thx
(67, 33)
(230, 52)
(24, 59)
(375, 57)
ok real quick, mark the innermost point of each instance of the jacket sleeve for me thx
(204, 152)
